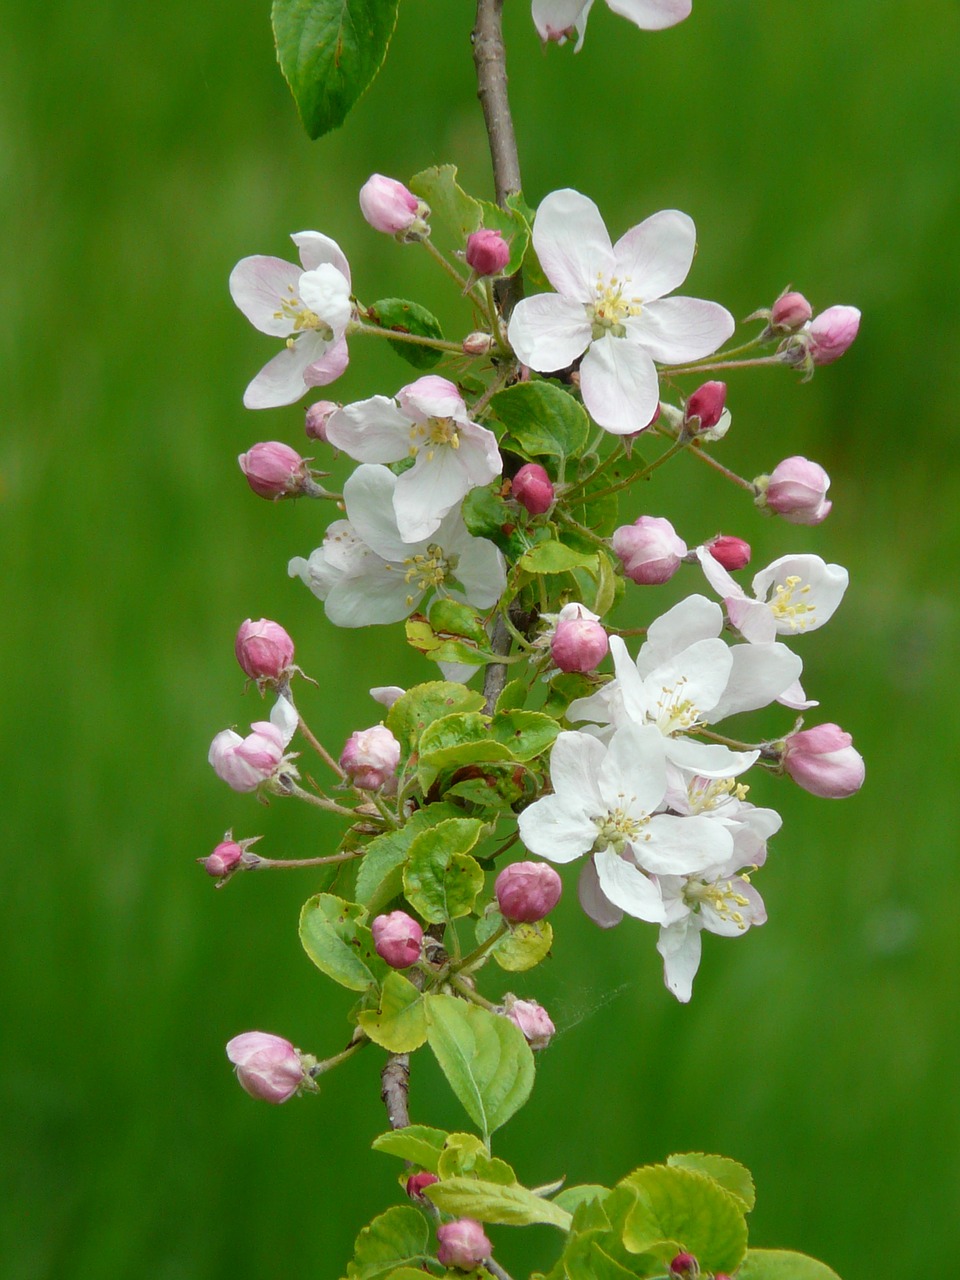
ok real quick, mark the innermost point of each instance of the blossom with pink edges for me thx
(370, 758)
(245, 763)
(796, 489)
(268, 1067)
(824, 761)
(650, 550)
(561, 19)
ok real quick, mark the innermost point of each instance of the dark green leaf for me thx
(542, 419)
(408, 317)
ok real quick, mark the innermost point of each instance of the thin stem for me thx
(329, 1063)
(498, 384)
(725, 471)
(731, 351)
(583, 530)
(726, 364)
(253, 861)
(397, 335)
(448, 267)
(395, 1089)
(468, 993)
(290, 788)
(495, 1269)
(319, 748)
(467, 963)
(727, 742)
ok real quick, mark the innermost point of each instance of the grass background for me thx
(143, 150)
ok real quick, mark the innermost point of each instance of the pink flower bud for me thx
(705, 407)
(684, 1264)
(243, 763)
(477, 344)
(462, 1244)
(731, 552)
(224, 859)
(533, 488)
(790, 312)
(579, 642)
(532, 1019)
(387, 205)
(315, 422)
(832, 332)
(273, 470)
(268, 1067)
(397, 938)
(649, 549)
(487, 252)
(264, 650)
(527, 891)
(796, 489)
(370, 758)
(824, 761)
(417, 1182)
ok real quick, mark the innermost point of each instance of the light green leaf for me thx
(491, 1202)
(338, 943)
(424, 703)
(497, 788)
(570, 1198)
(555, 557)
(781, 1264)
(487, 1062)
(525, 733)
(449, 204)
(399, 1023)
(441, 880)
(329, 52)
(397, 1238)
(732, 1175)
(451, 618)
(690, 1209)
(543, 420)
(566, 688)
(465, 1156)
(522, 947)
(455, 741)
(513, 697)
(585, 1259)
(380, 877)
(417, 1143)
(408, 317)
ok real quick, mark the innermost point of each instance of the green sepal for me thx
(339, 943)
(782, 1264)
(380, 877)
(416, 709)
(733, 1176)
(522, 947)
(542, 420)
(399, 1022)
(556, 557)
(465, 1156)
(417, 1143)
(400, 1237)
(492, 1202)
(408, 317)
(487, 1062)
(329, 52)
(440, 879)
(687, 1209)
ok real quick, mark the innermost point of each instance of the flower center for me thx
(428, 571)
(721, 896)
(676, 713)
(301, 317)
(789, 606)
(706, 794)
(618, 827)
(435, 433)
(611, 308)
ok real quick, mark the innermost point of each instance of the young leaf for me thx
(408, 317)
(451, 618)
(449, 203)
(570, 1198)
(487, 1062)
(329, 52)
(417, 1143)
(338, 943)
(491, 1202)
(380, 877)
(455, 741)
(729, 1173)
(424, 703)
(441, 880)
(524, 946)
(396, 1238)
(526, 733)
(687, 1208)
(781, 1264)
(513, 697)
(465, 1156)
(543, 420)
(556, 557)
(399, 1023)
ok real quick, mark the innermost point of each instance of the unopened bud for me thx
(649, 549)
(532, 1019)
(824, 761)
(704, 408)
(462, 1244)
(370, 758)
(264, 650)
(527, 891)
(224, 860)
(315, 422)
(477, 344)
(273, 470)
(579, 642)
(416, 1183)
(533, 488)
(397, 938)
(389, 207)
(790, 312)
(831, 333)
(684, 1264)
(796, 489)
(244, 763)
(268, 1067)
(732, 553)
(487, 252)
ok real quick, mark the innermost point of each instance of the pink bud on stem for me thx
(532, 1019)
(315, 420)
(527, 891)
(824, 761)
(462, 1244)
(790, 312)
(796, 489)
(268, 1067)
(389, 207)
(264, 650)
(579, 642)
(370, 758)
(732, 553)
(274, 470)
(397, 939)
(533, 489)
(704, 408)
(487, 252)
(649, 550)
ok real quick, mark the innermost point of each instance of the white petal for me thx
(377, 596)
(482, 573)
(427, 492)
(753, 619)
(795, 698)
(548, 332)
(709, 760)
(634, 772)
(575, 762)
(431, 397)
(675, 330)
(316, 248)
(325, 291)
(697, 675)
(572, 244)
(280, 381)
(682, 846)
(680, 947)
(555, 831)
(371, 430)
(594, 901)
(628, 888)
(652, 15)
(258, 286)
(619, 385)
(551, 17)
(760, 674)
(368, 498)
(820, 590)
(695, 618)
(717, 575)
(284, 716)
(655, 256)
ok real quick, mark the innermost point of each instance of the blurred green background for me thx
(143, 150)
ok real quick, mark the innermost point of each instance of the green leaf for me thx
(525, 733)
(732, 1175)
(408, 317)
(417, 1143)
(513, 227)
(424, 703)
(585, 1259)
(487, 1062)
(555, 557)
(543, 420)
(451, 618)
(441, 880)
(449, 203)
(491, 1202)
(524, 946)
(338, 943)
(465, 1156)
(396, 1238)
(380, 877)
(497, 787)
(329, 52)
(566, 688)
(514, 695)
(399, 1023)
(570, 1198)
(690, 1209)
(455, 741)
(781, 1264)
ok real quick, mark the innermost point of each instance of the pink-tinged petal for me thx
(619, 385)
(549, 332)
(752, 619)
(759, 675)
(572, 244)
(431, 397)
(259, 285)
(753, 912)
(371, 430)
(652, 15)
(675, 330)
(593, 900)
(656, 255)
(709, 760)
(316, 248)
(368, 498)
(795, 698)
(427, 492)
(280, 381)
(717, 575)
(682, 846)
(552, 17)
(482, 573)
(372, 598)
(329, 367)
(695, 618)
(629, 889)
(680, 947)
